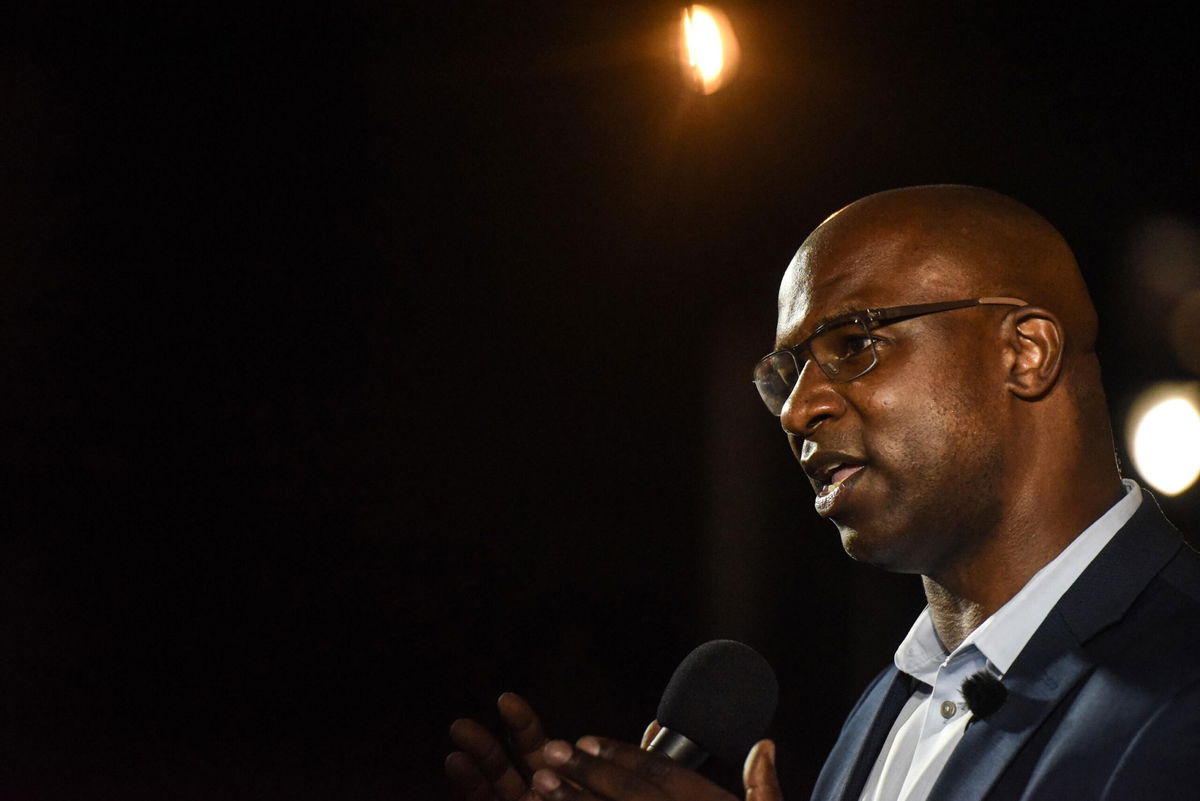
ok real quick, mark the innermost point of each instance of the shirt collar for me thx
(1002, 636)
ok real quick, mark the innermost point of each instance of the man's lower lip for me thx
(830, 497)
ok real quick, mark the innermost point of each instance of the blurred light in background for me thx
(710, 49)
(1160, 305)
(1184, 331)
(1163, 254)
(1163, 436)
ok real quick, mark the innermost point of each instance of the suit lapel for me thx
(1055, 660)
(1035, 688)
(862, 737)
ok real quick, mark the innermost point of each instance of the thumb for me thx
(648, 735)
(758, 774)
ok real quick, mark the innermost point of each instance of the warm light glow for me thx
(705, 52)
(1165, 437)
(710, 49)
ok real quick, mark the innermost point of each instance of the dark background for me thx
(365, 360)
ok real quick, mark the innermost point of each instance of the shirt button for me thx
(948, 709)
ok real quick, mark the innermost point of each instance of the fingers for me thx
(490, 761)
(524, 729)
(550, 787)
(758, 773)
(611, 770)
(596, 778)
(648, 736)
(482, 770)
(468, 783)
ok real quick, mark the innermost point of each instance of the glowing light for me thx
(705, 52)
(1164, 436)
(710, 51)
(1184, 330)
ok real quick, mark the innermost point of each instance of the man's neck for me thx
(954, 617)
(962, 598)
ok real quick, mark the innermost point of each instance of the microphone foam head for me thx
(984, 693)
(721, 697)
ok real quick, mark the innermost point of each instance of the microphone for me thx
(719, 701)
(984, 694)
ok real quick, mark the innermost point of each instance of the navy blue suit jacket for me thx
(1103, 702)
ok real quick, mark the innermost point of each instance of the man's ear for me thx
(1035, 342)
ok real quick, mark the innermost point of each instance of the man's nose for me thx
(812, 401)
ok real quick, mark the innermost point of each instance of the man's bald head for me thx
(963, 241)
(946, 242)
(999, 403)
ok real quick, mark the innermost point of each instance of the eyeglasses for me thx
(843, 347)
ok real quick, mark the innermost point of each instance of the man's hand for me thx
(599, 769)
(651, 731)
(482, 771)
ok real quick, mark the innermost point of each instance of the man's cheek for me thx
(880, 404)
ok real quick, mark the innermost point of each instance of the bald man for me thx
(936, 377)
(937, 380)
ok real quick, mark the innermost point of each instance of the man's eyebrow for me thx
(839, 314)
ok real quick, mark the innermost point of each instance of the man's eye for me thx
(854, 343)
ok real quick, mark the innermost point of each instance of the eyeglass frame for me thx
(870, 319)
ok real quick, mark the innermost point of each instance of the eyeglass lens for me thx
(843, 353)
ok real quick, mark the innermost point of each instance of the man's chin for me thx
(854, 543)
(875, 548)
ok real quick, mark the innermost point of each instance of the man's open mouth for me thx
(838, 482)
(835, 475)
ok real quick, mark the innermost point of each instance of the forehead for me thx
(887, 270)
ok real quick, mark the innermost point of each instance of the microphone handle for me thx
(674, 745)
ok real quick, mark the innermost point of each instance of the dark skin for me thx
(982, 435)
(596, 768)
(1000, 405)
(482, 770)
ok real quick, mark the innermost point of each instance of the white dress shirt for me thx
(934, 717)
